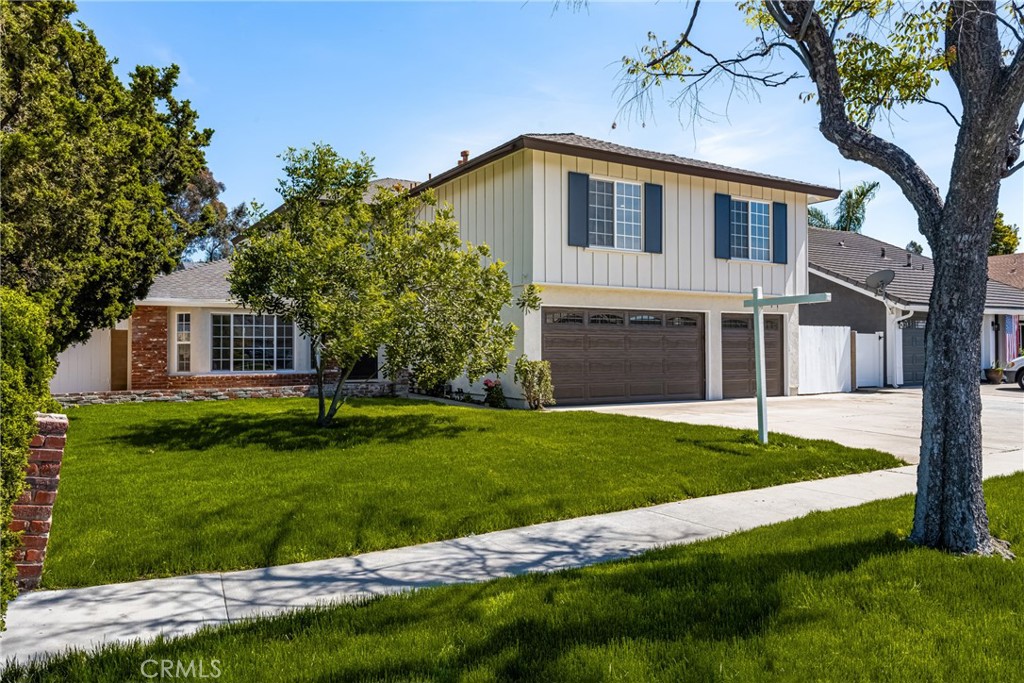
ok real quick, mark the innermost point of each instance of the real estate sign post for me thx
(757, 303)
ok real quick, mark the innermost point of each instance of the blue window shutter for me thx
(780, 228)
(653, 212)
(723, 202)
(579, 189)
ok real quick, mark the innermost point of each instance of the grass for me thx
(834, 596)
(152, 490)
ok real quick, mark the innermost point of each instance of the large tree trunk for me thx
(950, 507)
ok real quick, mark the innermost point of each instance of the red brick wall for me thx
(149, 348)
(234, 381)
(33, 512)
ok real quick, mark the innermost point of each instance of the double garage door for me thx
(609, 356)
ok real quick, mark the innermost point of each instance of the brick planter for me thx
(33, 511)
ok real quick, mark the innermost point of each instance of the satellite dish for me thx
(879, 280)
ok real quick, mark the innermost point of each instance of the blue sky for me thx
(412, 84)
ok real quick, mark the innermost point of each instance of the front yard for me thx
(163, 489)
(836, 596)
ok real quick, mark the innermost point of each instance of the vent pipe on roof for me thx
(883, 252)
(465, 157)
(842, 244)
(909, 264)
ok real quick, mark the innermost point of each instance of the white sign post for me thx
(757, 303)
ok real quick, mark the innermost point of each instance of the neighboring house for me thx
(188, 334)
(839, 262)
(1009, 269)
(645, 260)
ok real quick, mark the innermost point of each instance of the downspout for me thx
(896, 322)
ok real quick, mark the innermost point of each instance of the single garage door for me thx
(738, 380)
(608, 356)
(913, 349)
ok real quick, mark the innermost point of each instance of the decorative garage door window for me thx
(645, 319)
(565, 318)
(913, 324)
(244, 342)
(682, 321)
(606, 319)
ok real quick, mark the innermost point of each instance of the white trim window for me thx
(750, 231)
(243, 342)
(183, 342)
(614, 214)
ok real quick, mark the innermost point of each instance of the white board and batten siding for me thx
(687, 261)
(825, 360)
(493, 205)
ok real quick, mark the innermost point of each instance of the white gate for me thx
(869, 355)
(824, 359)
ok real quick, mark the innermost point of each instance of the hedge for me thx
(24, 389)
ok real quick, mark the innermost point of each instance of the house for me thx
(1009, 269)
(187, 335)
(840, 262)
(645, 259)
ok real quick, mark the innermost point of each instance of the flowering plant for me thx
(494, 395)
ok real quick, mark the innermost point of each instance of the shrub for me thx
(24, 388)
(494, 395)
(534, 376)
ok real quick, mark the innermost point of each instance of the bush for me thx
(24, 388)
(494, 395)
(534, 376)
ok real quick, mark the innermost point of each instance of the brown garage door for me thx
(606, 356)
(738, 379)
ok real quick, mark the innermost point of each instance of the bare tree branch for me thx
(943, 105)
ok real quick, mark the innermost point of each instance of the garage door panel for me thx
(608, 356)
(738, 377)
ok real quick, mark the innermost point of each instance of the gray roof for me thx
(851, 257)
(589, 148)
(194, 281)
(378, 183)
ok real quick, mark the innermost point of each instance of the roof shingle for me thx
(851, 257)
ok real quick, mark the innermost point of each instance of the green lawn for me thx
(164, 489)
(834, 596)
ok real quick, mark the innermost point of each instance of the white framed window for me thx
(183, 342)
(244, 342)
(750, 233)
(614, 214)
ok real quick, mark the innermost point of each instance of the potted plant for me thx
(994, 374)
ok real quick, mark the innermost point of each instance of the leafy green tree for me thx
(1005, 237)
(91, 168)
(914, 248)
(534, 376)
(214, 225)
(851, 210)
(866, 59)
(355, 277)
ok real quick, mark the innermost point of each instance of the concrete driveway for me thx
(886, 419)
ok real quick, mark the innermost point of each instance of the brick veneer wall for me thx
(33, 512)
(149, 348)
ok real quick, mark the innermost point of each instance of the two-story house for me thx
(645, 260)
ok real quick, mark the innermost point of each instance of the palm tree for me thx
(849, 213)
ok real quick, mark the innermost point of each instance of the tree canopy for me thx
(91, 168)
(357, 276)
(865, 60)
(1005, 237)
(213, 226)
(850, 213)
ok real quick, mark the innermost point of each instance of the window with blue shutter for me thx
(723, 204)
(615, 214)
(780, 223)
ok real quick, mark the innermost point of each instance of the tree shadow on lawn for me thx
(665, 598)
(285, 432)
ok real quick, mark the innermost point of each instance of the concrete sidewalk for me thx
(45, 622)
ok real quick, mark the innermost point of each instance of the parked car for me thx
(1014, 371)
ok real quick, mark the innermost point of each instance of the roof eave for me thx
(540, 145)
